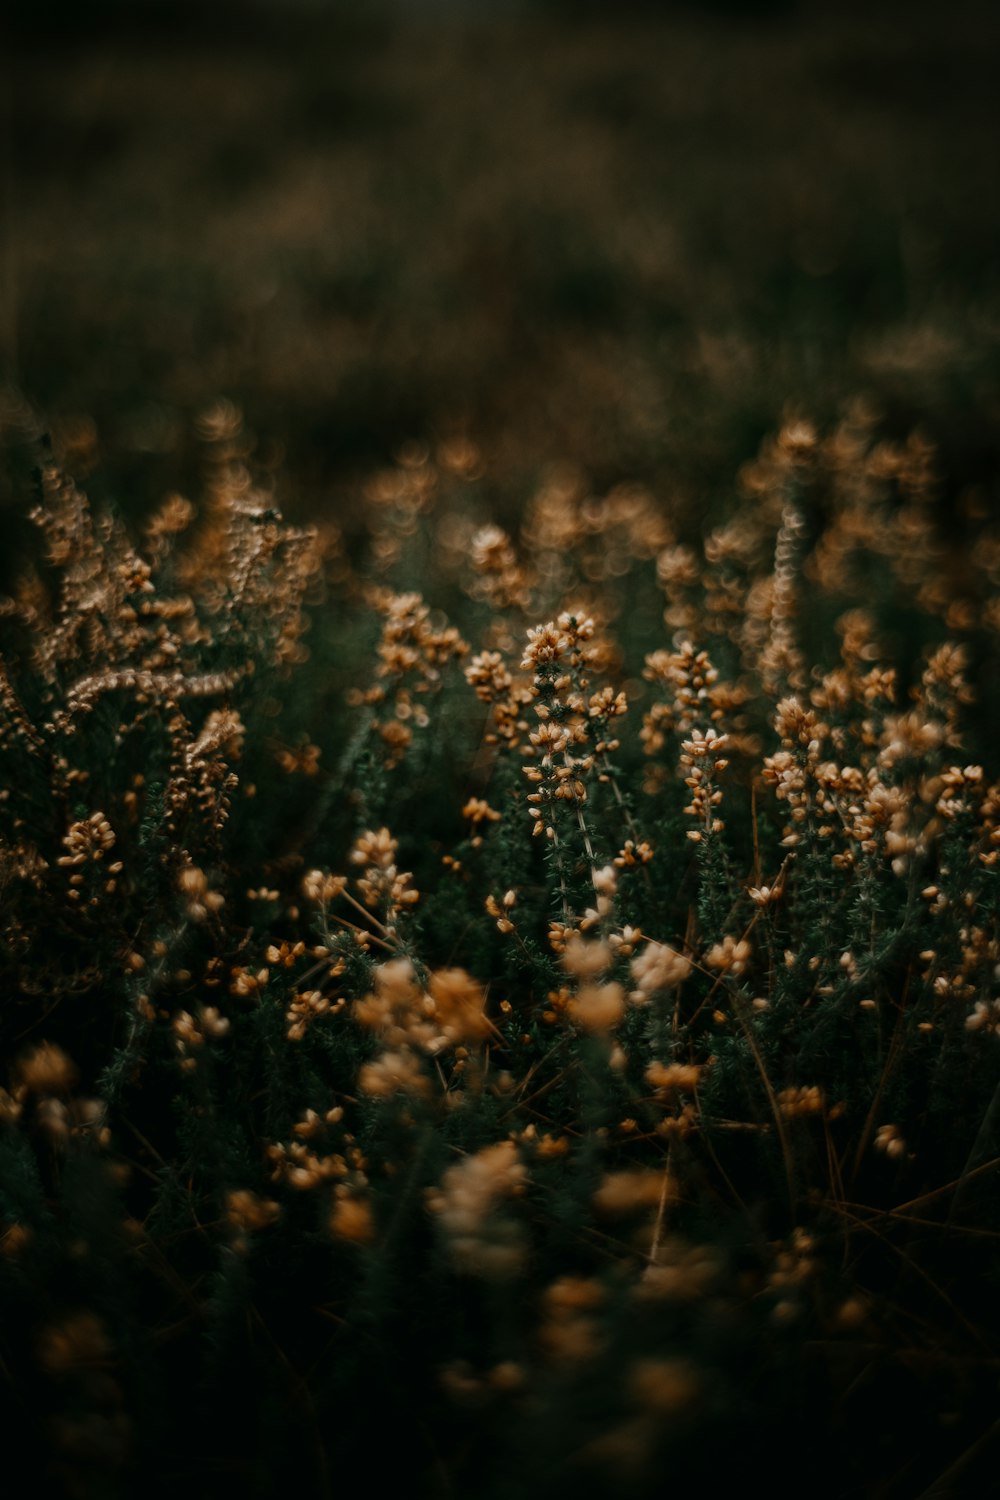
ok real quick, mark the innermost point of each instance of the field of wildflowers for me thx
(512, 1011)
(499, 791)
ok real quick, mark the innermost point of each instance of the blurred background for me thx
(625, 235)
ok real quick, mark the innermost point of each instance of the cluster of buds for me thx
(570, 1328)
(190, 1034)
(798, 1103)
(791, 771)
(989, 822)
(598, 1004)
(889, 1140)
(633, 1190)
(691, 679)
(383, 885)
(402, 494)
(248, 1213)
(558, 654)
(730, 956)
(245, 984)
(702, 759)
(302, 761)
(672, 1079)
(396, 1071)
(781, 664)
(86, 843)
(199, 900)
(323, 888)
(633, 852)
(877, 816)
(603, 707)
(765, 896)
(479, 812)
(944, 690)
(501, 910)
(403, 1013)
(657, 970)
(962, 789)
(599, 918)
(681, 1272)
(732, 555)
(411, 654)
(351, 1216)
(558, 645)
(491, 680)
(795, 1266)
(604, 536)
(557, 776)
(499, 578)
(481, 1240)
(984, 1016)
(307, 1162)
(44, 1081)
(679, 574)
(205, 779)
(309, 1005)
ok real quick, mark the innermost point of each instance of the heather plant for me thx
(529, 993)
